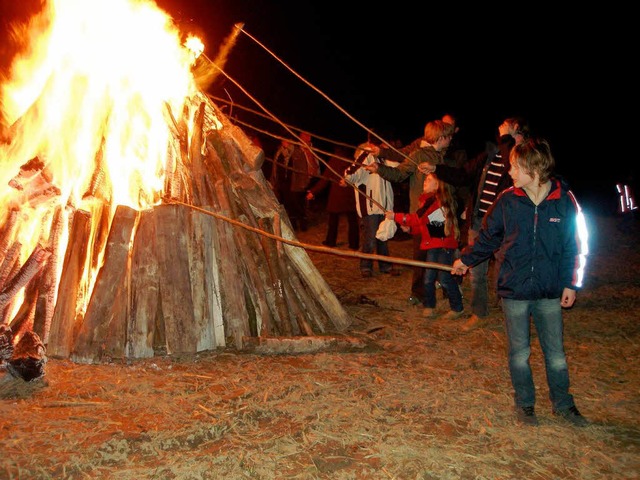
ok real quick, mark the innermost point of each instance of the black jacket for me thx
(543, 247)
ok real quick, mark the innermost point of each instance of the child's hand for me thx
(371, 168)
(568, 298)
(459, 268)
(389, 215)
(426, 168)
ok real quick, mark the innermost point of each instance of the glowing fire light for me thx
(87, 104)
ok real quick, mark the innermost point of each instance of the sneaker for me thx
(471, 323)
(415, 300)
(452, 315)
(527, 416)
(573, 416)
(367, 274)
(429, 312)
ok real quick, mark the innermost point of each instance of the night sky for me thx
(395, 67)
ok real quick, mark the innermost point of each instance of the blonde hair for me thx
(436, 129)
(444, 195)
(534, 156)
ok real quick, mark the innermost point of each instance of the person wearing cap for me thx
(371, 204)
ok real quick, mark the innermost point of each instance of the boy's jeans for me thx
(547, 318)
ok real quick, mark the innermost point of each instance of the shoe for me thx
(471, 323)
(413, 300)
(527, 416)
(367, 274)
(328, 244)
(452, 315)
(429, 312)
(573, 416)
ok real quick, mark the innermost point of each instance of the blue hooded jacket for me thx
(543, 248)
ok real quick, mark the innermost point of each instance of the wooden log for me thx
(175, 283)
(234, 306)
(239, 146)
(64, 324)
(199, 176)
(9, 264)
(100, 231)
(256, 264)
(7, 232)
(306, 344)
(48, 283)
(23, 319)
(31, 267)
(206, 282)
(103, 331)
(306, 300)
(277, 291)
(145, 332)
(299, 259)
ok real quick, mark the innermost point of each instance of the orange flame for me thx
(96, 84)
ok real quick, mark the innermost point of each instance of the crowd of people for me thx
(503, 209)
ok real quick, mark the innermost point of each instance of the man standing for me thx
(437, 136)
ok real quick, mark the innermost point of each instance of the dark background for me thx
(567, 70)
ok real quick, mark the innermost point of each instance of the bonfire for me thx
(136, 220)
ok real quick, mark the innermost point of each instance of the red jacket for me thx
(419, 224)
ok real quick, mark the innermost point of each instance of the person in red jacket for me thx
(436, 220)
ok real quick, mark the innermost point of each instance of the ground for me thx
(424, 400)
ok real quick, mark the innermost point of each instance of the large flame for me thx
(87, 107)
(96, 83)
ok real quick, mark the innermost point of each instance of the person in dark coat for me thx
(538, 227)
(341, 200)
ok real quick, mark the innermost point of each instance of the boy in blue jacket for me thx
(538, 229)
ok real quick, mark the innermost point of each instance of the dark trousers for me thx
(370, 244)
(296, 207)
(353, 231)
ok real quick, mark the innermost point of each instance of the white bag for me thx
(386, 230)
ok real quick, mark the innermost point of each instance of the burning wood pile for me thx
(181, 266)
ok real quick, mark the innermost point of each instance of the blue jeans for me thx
(444, 256)
(547, 318)
(370, 244)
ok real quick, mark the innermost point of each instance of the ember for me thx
(111, 146)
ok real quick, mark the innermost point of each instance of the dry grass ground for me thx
(427, 401)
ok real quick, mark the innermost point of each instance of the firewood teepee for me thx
(177, 279)
(135, 217)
